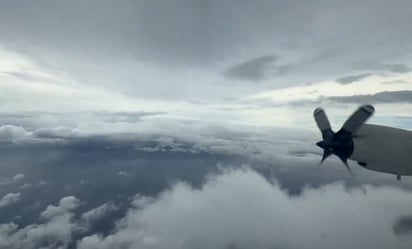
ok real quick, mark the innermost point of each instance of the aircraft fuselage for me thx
(384, 149)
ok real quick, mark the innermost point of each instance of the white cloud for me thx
(122, 173)
(9, 199)
(65, 204)
(55, 232)
(239, 209)
(95, 214)
(18, 177)
(236, 209)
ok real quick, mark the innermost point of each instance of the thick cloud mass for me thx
(242, 210)
(232, 209)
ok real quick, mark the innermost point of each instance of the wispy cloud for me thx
(9, 199)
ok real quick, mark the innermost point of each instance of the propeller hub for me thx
(340, 144)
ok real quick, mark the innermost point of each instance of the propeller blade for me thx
(358, 118)
(345, 162)
(326, 154)
(322, 144)
(323, 123)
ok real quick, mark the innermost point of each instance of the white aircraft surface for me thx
(374, 147)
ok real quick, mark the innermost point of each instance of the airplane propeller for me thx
(341, 142)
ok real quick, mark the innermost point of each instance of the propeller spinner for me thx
(341, 142)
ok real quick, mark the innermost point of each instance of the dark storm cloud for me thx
(377, 98)
(351, 78)
(252, 70)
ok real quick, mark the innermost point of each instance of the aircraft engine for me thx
(340, 143)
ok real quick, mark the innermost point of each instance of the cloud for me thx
(65, 204)
(381, 98)
(54, 132)
(25, 186)
(14, 179)
(12, 133)
(395, 82)
(18, 177)
(55, 231)
(352, 78)
(8, 199)
(33, 76)
(403, 225)
(254, 69)
(240, 209)
(380, 66)
(98, 213)
(153, 133)
(123, 173)
(191, 150)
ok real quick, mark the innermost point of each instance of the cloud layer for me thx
(233, 209)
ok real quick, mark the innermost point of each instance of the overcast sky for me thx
(149, 116)
(183, 56)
